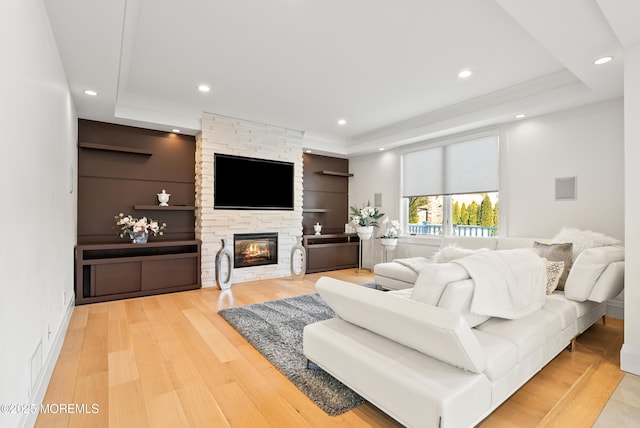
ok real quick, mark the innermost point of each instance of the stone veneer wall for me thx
(226, 135)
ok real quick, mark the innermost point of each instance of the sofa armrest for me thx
(437, 332)
(610, 283)
(597, 274)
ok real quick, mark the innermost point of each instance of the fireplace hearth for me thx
(255, 249)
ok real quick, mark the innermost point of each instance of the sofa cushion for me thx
(437, 332)
(581, 308)
(528, 333)
(583, 239)
(587, 268)
(396, 271)
(453, 252)
(433, 279)
(610, 283)
(559, 252)
(502, 354)
(566, 310)
(470, 242)
(554, 272)
(404, 293)
(457, 297)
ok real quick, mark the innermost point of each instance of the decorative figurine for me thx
(164, 198)
(317, 227)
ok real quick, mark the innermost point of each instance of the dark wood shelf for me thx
(337, 173)
(169, 208)
(120, 149)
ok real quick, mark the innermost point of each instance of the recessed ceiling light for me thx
(464, 74)
(204, 88)
(90, 92)
(176, 130)
(520, 116)
(342, 122)
(381, 149)
(308, 151)
(603, 60)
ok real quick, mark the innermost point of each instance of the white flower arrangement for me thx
(126, 225)
(366, 216)
(392, 228)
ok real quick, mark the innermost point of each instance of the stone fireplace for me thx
(226, 135)
(255, 249)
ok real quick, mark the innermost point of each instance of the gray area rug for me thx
(275, 329)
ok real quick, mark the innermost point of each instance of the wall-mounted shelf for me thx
(120, 149)
(315, 210)
(337, 173)
(169, 208)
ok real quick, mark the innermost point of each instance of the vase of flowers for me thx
(138, 230)
(365, 219)
(139, 237)
(390, 237)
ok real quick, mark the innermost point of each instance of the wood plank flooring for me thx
(171, 361)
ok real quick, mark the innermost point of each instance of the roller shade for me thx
(456, 168)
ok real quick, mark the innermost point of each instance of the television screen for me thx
(243, 183)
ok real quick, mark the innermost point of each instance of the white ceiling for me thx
(388, 68)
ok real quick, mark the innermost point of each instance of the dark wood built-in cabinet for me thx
(325, 198)
(330, 252)
(326, 201)
(121, 169)
(118, 271)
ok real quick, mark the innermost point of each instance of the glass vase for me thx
(140, 237)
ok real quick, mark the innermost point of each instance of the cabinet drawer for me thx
(347, 255)
(116, 278)
(169, 273)
(321, 257)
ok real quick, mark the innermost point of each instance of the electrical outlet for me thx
(64, 298)
(48, 332)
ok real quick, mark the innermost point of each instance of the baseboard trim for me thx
(29, 419)
(630, 359)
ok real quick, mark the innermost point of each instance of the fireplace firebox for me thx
(255, 249)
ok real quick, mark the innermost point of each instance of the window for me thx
(471, 214)
(451, 188)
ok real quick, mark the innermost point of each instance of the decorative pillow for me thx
(554, 272)
(583, 239)
(453, 252)
(557, 253)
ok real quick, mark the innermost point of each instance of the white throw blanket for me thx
(508, 283)
(414, 263)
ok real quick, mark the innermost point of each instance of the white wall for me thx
(38, 215)
(630, 354)
(376, 173)
(587, 142)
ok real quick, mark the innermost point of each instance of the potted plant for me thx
(365, 219)
(390, 237)
(137, 229)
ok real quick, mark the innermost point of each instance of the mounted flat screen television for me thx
(243, 183)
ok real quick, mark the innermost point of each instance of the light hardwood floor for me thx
(171, 361)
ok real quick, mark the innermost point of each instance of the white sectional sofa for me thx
(425, 358)
(402, 273)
